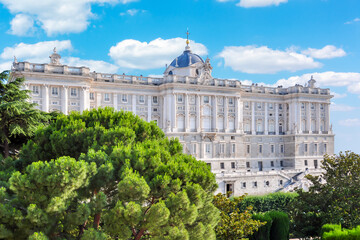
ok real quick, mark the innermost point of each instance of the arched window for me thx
(220, 125)
(170, 73)
(180, 122)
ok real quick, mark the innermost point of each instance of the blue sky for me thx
(272, 42)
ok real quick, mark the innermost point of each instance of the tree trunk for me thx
(97, 220)
(140, 234)
(6, 148)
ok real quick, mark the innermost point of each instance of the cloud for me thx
(341, 107)
(253, 59)
(260, 3)
(39, 53)
(40, 50)
(55, 16)
(338, 95)
(22, 25)
(134, 54)
(351, 80)
(132, 12)
(326, 52)
(353, 21)
(351, 122)
(94, 65)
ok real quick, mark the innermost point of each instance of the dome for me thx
(186, 59)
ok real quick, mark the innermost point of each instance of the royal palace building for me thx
(256, 139)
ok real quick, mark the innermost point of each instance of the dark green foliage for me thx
(18, 117)
(280, 225)
(270, 202)
(342, 234)
(333, 198)
(263, 233)
(121, 179)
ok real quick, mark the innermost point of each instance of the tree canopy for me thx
(334, 196)
(107, 174)
(18, 117)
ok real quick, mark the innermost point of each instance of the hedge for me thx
(329, 228)
(342, 234)
(263, 233)
(273, 201)
(280, 226)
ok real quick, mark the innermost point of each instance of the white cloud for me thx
(57, 16)
(132, 12)
(338, 95)
(351, 80)
(351, 122)
(134, 54)
(5, 66)
(40, 50)
(341, 107)
(252, 59)
(22, 25)
(260, 3)
(353, 21)
(98, 66)
(326, 52)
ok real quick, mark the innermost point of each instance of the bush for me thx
(270, 202)
(329, 227)
(263, 233)
(280, 225)
(342, 234)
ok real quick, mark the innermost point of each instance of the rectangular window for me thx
(280, 182)
(106, 97)
(272, 163)
(233, 148)
(280, 106)
(207, 148)
(155, 99)
(232, 137)
(325, 148)
(155, 109)
(92, 96)
(248, 148)
(233, 165)
(259, 105)
(35, 89)
(315, 147)
(55, 91)
(247, 164)
(231, 101)
(222, 165)
(244, 184)
(315, 163)
(73, 92)
(306, 147)
(322, 106)
(305, 162)
(282, 148)
(260, 148)
(272, 148)
(73, 104)
(255, 184)
(180, 98)
(271, 106)
(206, 99)
(246, 105)
(194, 148)
(141, 99)
(281, 163)
(54, 103)
(312, 106)
(222, 148)
(260, 165)
(302, 105)
(124, 98)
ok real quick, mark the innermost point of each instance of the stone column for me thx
(149, 109)
(163, 112)
(237, 114)
(266, 130)
(84, 99)
(253, 130)
(45, 98)
(226, 113)
(173, 115)
(214, 113)
(318, 117)
(186, 113)
(64, 100)
(327, 117)
(198, 113)
(115, 101)
(285, 127)
(276, 105)
(308, 117)
(98, 100)
(299, 117)
(133, 102)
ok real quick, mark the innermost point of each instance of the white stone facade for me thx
(256, 139)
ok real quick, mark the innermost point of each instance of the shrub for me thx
(270, 202)
(342, 234)
(280, 225)
(263, 233)
(329, 227)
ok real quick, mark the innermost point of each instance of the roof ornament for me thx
(55, 58)
(176, 64)
(15, 59)
(311, 82)
(187, 48)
